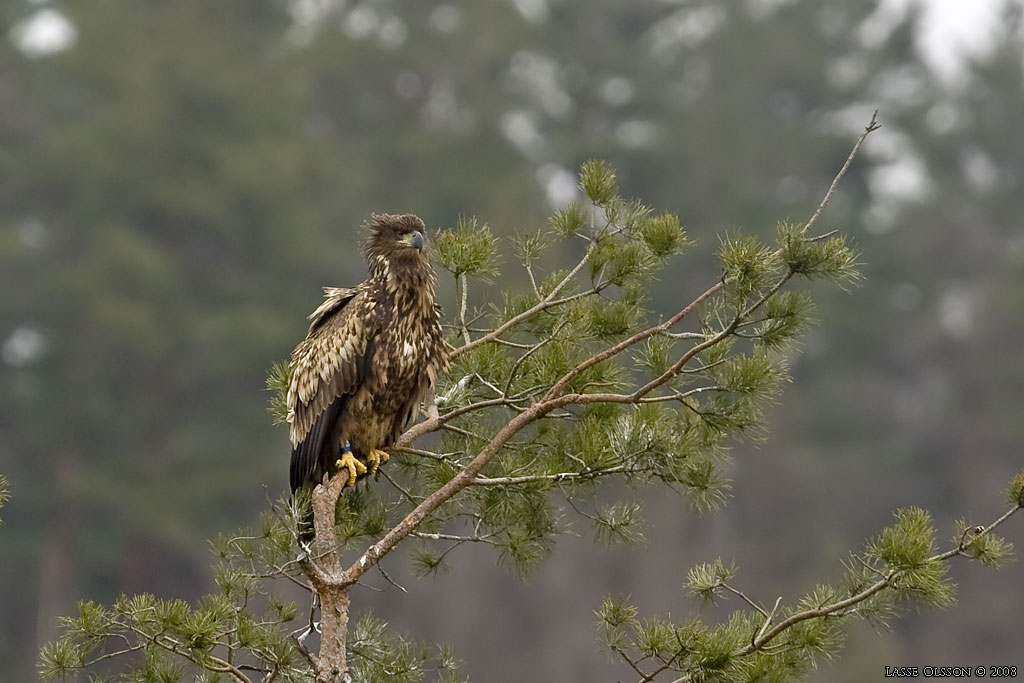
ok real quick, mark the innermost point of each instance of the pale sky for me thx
(953, 28)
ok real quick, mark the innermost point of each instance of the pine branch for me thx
(887, 581)
(664, 327)
(547, 302)
(631, 341)
(560, 476)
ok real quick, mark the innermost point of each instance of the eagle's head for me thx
(395, 240)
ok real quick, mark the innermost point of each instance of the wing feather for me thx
(334, 299)
(326, 369)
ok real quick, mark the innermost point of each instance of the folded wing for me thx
(326, 369)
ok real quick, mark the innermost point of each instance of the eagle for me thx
(372, 355)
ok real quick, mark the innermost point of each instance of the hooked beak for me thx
(414, 240)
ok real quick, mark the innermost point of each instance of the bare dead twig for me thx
(872, 126)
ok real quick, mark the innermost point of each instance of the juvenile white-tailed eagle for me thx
(372, 354)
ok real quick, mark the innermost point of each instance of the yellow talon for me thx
(354, 467)
(375, 457)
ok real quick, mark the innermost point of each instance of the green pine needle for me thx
(597, 180)
(1015, 491)
(568, 220)
(705, 580)
(621, 523)
(664, 235)
(277, 385)
(615, 611)
(748, 264)
(989, 549)
(469, 249)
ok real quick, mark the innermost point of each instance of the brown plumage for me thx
(372, 354)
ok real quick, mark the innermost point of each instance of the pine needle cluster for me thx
(900, 568)
(5, 494)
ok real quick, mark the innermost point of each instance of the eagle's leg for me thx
(375, 457)
(348, 461)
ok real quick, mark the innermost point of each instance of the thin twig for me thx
(767, 620)
(872, 126)
(451, 537)
(394, 583)
(307, 655)
(747, 600)
(111, 655)
(408, 496)
(533, 280)
(643, 677)
(559, 476)
(461, 285)
(533, 349)
(548, 302)
(626, 343)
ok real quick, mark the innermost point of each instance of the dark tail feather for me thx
(314, 457)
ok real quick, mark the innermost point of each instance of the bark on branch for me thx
(323, 571)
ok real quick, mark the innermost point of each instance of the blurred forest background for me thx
(178, 179)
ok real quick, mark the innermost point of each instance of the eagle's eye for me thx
(412, 238)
